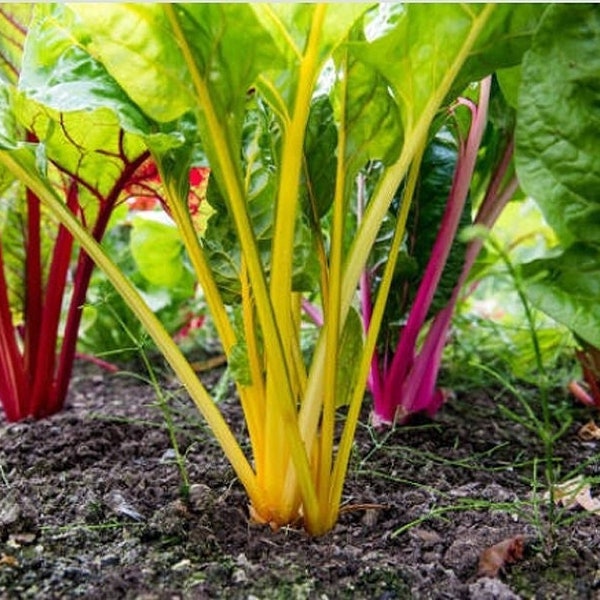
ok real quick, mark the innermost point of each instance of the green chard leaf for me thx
(426, 39)
(320, 147)
(14, 24)
(67, 99)
(261, 138)
(559, 121)
(429, 204)
(228, 49)
(88, 145)
(148, 67)
(158, 250)
(290, 25)
(503, 42)
(350, 350)
(420, 51)
(60, 72)
(510, 80)
(371, 114)
(431, 198)
(567, 288)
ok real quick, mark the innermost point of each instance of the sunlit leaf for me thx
(290, 26)
(14, 24)
(228, 49)
(157, 249)
(419, 52)
(61, 72)
(123, 40)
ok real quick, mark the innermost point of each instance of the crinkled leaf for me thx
(429, 204)
(567, 288)
(223, 250)
(431, 198)
(559, 121)
(260, 140)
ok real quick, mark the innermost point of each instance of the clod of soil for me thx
(90, 507)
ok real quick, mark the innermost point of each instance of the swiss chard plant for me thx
(86, 159)
(286, 103)
(404, 370)
(557, 162)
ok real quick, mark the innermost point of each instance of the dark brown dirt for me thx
(90, 507)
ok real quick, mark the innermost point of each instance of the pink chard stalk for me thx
(405, 383)
(588, 393)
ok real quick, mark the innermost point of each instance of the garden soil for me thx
(91, 507)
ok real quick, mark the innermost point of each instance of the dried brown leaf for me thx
(496, 557)
(590, 431)
(8, 560)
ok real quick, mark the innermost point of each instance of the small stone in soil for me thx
(487, 588)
